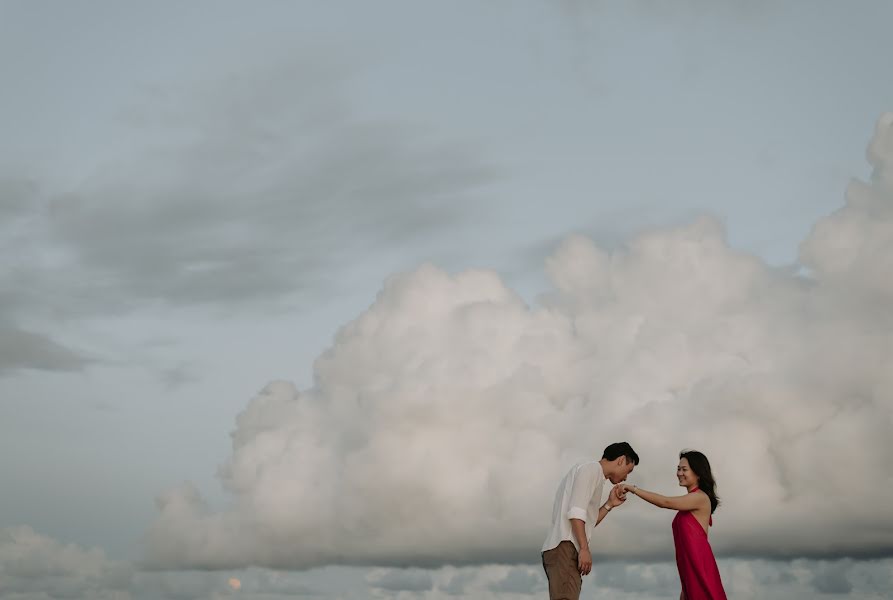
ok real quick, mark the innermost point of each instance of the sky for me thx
(326, 298)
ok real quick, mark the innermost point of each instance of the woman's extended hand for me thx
(627, 487)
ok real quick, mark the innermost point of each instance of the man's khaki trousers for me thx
(562, 571)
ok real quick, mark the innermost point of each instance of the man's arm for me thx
(581, 494)
(578, 527)
(584, 557)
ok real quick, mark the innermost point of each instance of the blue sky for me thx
(197, 198)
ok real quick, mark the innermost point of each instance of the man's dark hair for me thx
(618, 449)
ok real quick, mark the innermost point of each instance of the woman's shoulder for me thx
(702, 495)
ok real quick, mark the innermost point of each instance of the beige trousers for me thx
(563, 572)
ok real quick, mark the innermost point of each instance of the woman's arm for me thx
(687, 502)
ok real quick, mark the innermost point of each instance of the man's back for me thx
(578, 497)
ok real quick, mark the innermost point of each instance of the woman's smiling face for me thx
(685, 475)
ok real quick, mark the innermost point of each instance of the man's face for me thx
(623, 467)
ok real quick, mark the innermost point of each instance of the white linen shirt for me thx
(579, 496)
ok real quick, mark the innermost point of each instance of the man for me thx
(576, 512)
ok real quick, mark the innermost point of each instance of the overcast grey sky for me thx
(275, 276)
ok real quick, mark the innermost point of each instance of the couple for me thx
(578, 510)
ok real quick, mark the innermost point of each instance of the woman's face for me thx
(685, 475)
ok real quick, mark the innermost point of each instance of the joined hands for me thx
(619, 492)
(617, 495)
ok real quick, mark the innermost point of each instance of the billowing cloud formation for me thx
(854, 246)
(442, 417)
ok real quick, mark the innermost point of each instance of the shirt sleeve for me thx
(581, 492)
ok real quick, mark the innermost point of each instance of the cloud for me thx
(637, 578)
(457, 582)
(792, 580)
(178, 375)
(239, 193)
(521, 580)
(254, 584)
(443, 416)
(21, 346)
(413, 580)
(21, 349)
(626, 580)
(35, 566)
(261, 184)
(486, 581)
(854, 246)
(16, 193)
(832, 581)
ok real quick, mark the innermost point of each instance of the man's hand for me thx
(584, 561)
(617, 495)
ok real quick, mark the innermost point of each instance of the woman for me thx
(694, 557)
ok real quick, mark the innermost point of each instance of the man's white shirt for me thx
(579, 497)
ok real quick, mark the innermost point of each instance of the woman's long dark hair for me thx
(701, 467)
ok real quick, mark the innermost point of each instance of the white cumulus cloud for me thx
(33, 565)
(443, 416)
